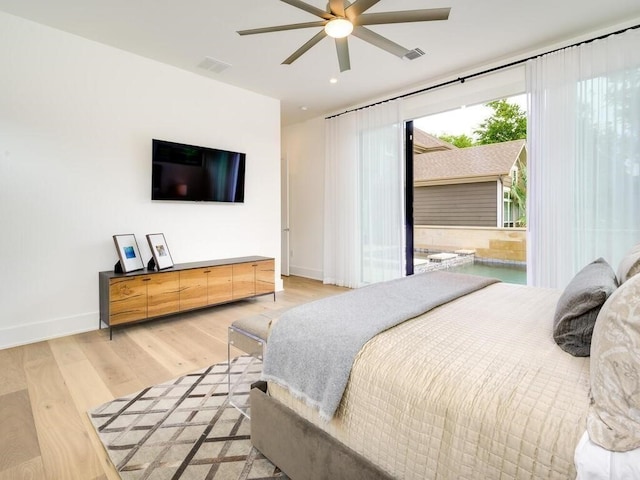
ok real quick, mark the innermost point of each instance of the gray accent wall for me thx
(466, 204)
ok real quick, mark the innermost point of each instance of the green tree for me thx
(508, 122)
(460, 141)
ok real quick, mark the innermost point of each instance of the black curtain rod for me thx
(485, 72)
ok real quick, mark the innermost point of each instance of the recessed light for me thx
(333, 80)
(303, 108)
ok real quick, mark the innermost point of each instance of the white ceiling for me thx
(183, 32)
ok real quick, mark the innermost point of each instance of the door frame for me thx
(408, 196)
(284, 216)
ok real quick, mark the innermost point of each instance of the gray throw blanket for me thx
(312, 347)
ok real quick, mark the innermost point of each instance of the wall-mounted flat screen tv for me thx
(198, 174)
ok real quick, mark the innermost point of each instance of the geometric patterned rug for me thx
(186, 428)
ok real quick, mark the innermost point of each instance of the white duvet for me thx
(474, 389)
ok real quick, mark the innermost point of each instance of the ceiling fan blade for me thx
(342, 47)
(379, 41)
(304, 48)
(280, 28)
(309, 8)
(337, 7)
(358, 7)
(404, 17)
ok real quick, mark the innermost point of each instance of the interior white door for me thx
(284, 213)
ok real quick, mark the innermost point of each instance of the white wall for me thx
(303, 146)
(76, 123)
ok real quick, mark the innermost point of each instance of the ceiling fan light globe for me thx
(338, 28)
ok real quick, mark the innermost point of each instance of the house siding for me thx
(468, 204)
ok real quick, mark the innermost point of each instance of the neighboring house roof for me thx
(424, 142)
(459, 165)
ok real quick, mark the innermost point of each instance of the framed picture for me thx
(128, 252)
(160, 250)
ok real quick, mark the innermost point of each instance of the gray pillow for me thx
(579, 305)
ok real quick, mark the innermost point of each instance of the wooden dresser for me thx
(143, 295)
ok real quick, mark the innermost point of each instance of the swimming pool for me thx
(506, 273)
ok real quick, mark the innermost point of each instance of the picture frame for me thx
(160, 250)
(128, 252)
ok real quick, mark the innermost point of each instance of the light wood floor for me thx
(46, 388)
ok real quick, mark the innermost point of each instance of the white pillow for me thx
(629, 265)
(613, 421)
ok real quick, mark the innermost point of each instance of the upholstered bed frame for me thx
(302, 450)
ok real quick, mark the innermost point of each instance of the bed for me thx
(475, 387)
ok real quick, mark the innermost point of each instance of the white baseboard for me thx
(47, 329)
(306, 272)
(59, 327)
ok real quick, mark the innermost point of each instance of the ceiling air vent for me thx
(413, 54)
(213, 65)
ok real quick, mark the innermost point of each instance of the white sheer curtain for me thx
(583, 157)
(364, 196)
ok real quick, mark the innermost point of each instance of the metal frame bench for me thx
(249, 335)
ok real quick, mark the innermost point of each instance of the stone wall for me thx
(489, 243)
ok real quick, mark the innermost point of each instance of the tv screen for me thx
(199, 174)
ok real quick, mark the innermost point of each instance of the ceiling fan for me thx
(343, 18)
